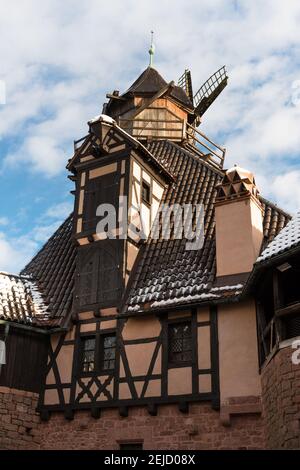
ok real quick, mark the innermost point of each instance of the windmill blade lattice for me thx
(185, 82)
(210, 90)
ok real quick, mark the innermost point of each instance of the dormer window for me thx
(146, 192)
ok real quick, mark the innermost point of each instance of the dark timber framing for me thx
(112, 399)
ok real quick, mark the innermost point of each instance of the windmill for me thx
(152, 108)
(201, 101)
(207, 93)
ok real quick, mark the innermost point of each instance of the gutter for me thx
(162, 310)
(32, 328)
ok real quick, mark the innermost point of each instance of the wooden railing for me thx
(210, 151)
(78, 143)
(154, 128)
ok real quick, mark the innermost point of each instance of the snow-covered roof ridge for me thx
(20, 299)
(103, 118)
(288, 237)
(109, 120)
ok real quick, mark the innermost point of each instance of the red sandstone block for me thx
(21, 408)
(10, 406)
(13, 435)
(293, 443)
(6, 418)
(16, 421)
(10, 427)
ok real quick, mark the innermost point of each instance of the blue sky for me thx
(58, 60)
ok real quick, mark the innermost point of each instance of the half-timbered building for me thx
(136, 341)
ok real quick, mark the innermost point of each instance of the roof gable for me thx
(151, 82)
(288, 238)
(166, 275)
(106, 137)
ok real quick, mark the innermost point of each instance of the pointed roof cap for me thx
(150, 82)
(242, 173)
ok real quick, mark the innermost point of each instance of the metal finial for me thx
(151, 50)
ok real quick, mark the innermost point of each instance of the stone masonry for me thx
(21, 428)
(281, 401)
(170, 429)
(19, 423)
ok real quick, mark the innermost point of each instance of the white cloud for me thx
(57, 78)
(60, 58)
(60, 211)
(4, 221)
(286, 189)
(17, 250)
(14, 253)
(42, 233)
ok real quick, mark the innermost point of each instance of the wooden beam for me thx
(290, 309)
(115, 97)
(276, 290)
(157, 95)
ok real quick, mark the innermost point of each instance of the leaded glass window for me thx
(180, 343)
(88, 354)
(108, 352)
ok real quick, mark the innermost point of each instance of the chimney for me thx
(239, 222)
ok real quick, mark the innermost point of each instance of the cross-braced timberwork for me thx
(121, 325)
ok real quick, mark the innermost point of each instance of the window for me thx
(180, 343)
(131, 445)
(98, 353)
(108, 354)
(88, 354)
(146, 192)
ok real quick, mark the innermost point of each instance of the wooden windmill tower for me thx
(152, 108)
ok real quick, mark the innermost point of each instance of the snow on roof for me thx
(20, 299)
(214, 294)
(110, 120)
(287, 238)
(102, 117)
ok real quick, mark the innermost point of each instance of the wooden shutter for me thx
(87, 271)
(110, 278)
(99, 274)
(102, 190)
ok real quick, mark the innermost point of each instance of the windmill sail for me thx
(210, 90)
(185, 82)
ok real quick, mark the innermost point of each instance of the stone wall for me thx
(170, 429)
(201, 428)
(19, 423)
(281, 401)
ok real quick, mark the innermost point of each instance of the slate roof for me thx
(288, 238)
(20, 300)
(150, 82)
(167, 274)
(53, 270)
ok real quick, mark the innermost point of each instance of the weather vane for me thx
(151, 50)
